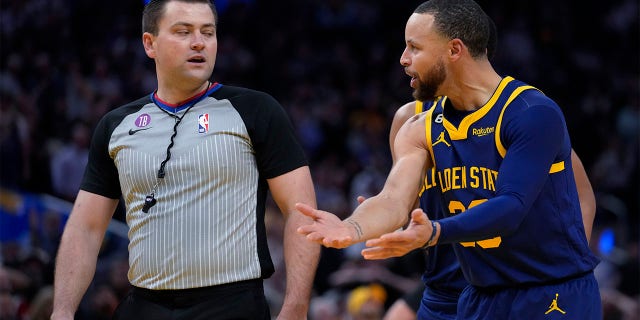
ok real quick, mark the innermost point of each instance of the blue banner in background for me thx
(22, 213)
(15, 212)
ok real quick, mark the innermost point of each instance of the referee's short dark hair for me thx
(154, 10)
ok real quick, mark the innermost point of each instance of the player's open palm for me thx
(327, 229)
(399, 243)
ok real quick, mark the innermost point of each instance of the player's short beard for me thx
(433, 79)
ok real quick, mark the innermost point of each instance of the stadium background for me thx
(334, 66)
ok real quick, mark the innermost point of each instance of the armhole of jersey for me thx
(555, 167)
(427, 129)
(501, 149)
(419, 109)
(427, 136)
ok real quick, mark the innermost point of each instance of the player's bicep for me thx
(412, 159)
(411, 141)
(400, 118)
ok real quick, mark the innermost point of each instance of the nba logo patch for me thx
(203, 123)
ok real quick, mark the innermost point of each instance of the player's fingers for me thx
(374, 242)
(377, 253)
(307, 210)
(337, 243)
(380, 242)
(361, 199)
(395, 237)
(306, 229)
(419, 217)
(315, 237)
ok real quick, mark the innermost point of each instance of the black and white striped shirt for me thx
(207, 227)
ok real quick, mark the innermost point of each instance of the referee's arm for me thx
(301, 256)
(78, 252)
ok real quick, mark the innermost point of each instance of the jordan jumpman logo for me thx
(554, 306)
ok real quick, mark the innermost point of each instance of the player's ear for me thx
(456, 47)
(147, 42)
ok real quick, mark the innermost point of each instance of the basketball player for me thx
(501, 155)
(437, 298)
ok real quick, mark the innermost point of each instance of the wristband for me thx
(434, 230)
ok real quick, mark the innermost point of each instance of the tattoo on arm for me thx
(356, 226)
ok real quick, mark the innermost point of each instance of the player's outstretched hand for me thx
(327, 229)
(399, 243)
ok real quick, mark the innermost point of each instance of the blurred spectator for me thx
(325, 307)
(69, 160)
(42, 304)
(103, 303)
(14, 142)
(366, 302)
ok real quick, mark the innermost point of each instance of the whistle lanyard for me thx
(150, 200)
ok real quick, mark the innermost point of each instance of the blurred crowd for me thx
(334, 65)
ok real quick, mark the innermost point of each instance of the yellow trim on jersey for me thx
(501, 149)
(427, 129)
(556, 167)
(460, 133)
(428, 117)
(418, 107)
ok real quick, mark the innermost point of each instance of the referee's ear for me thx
(147, 42)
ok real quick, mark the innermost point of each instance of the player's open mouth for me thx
(414, 78)
(197, 59)
(414, 82)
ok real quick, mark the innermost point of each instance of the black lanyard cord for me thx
(150, 199)
(161, 172)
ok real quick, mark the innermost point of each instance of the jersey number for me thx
(456, 207)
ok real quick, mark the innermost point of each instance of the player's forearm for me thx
(388, 210)
(301, 260)
(378, 215)
(75, 268)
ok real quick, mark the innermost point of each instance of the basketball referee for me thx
(193, 161)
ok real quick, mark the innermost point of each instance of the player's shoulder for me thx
(531, 100)
(410, 109)
(526, 95)
(416, 121)
(405, 112)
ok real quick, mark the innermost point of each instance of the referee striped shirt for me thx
(207, 227)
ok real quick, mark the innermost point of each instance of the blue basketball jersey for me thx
(531, 224)
(443, 272)
(443, 278)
